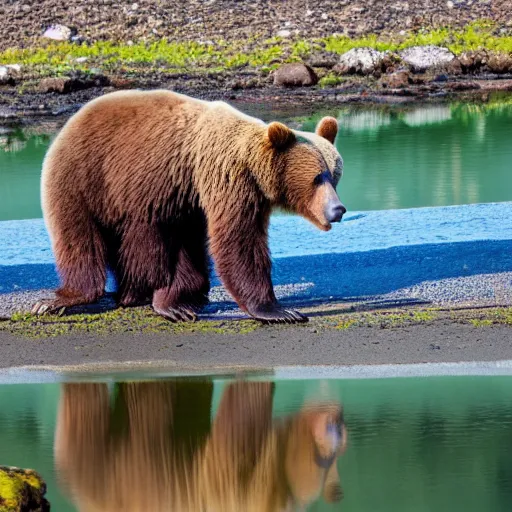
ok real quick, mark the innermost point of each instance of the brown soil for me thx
(24, 21)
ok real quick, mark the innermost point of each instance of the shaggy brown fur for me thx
(139, 181)
(152, 447)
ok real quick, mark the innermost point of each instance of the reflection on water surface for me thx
(405, 444)
(155, 446)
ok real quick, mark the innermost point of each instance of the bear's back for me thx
(123, 149)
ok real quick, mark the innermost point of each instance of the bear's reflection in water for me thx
(154, 446)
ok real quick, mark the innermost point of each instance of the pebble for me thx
(284, 33)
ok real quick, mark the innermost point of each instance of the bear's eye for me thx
(322, 177)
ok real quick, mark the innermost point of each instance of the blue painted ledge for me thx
(369, 253)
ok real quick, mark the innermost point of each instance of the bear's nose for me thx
(335, 212)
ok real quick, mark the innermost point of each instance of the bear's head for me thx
(309, 167)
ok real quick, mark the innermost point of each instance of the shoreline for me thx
(107, 372)
(454, 337)
(29, 108)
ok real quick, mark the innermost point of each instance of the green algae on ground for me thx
(144, 321)
(494, 316)
(21, 490)
(130, 320)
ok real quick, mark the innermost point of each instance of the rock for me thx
(65, 85)
(295, 74)
(421, 58)
(14, 68)
(322, 59)
(81, 60)
(473, 61)
(397, 79)
(500, 63)
(121, 83)
(58, 33)
(22, 490)
(360, 60)
(284, 33)
(453, 67)
(9, 73)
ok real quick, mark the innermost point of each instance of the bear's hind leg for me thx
(188, 292)
(80, 259)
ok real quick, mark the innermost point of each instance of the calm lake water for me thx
(395, 157)
(412, 444)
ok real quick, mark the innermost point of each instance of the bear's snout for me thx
(334, 211)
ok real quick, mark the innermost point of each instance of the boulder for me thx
(423, 58)
(295, 74)
(397, 80)
(361, 61)
(500, 63)
(9, 73)
(65, 85)
(322, 59)
(22, 490)
(473, 61)
(58, 33)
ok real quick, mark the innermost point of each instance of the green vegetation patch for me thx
(478, 35)
(129, 320)
(221, 55)
(145, 321)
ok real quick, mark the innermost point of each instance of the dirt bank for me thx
(333, 336)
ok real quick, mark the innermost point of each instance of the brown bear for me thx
(140, 181)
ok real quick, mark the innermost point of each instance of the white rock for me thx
(58, 33)
(309, 12)
(362, 59)
(284, 33)
(324, 16)
(4, 71)
(421, 58)
(449, 4)
(14, 67)
(81, 59)
(134, 7)
(287, 23)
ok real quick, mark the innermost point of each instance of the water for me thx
(412, 444)
(395, 157)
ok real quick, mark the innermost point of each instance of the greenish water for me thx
(413, 444)
(395, 157)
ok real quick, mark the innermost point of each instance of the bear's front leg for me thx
(242, 260)
(188, 292)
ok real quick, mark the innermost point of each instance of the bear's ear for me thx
(279, 135)
(327, 128)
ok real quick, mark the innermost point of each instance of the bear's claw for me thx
(273, 314)
(48, 307)
(182, 313)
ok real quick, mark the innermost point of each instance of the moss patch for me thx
(130, 320)
(145, 321)
(21, 490)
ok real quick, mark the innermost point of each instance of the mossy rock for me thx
(22, 490)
